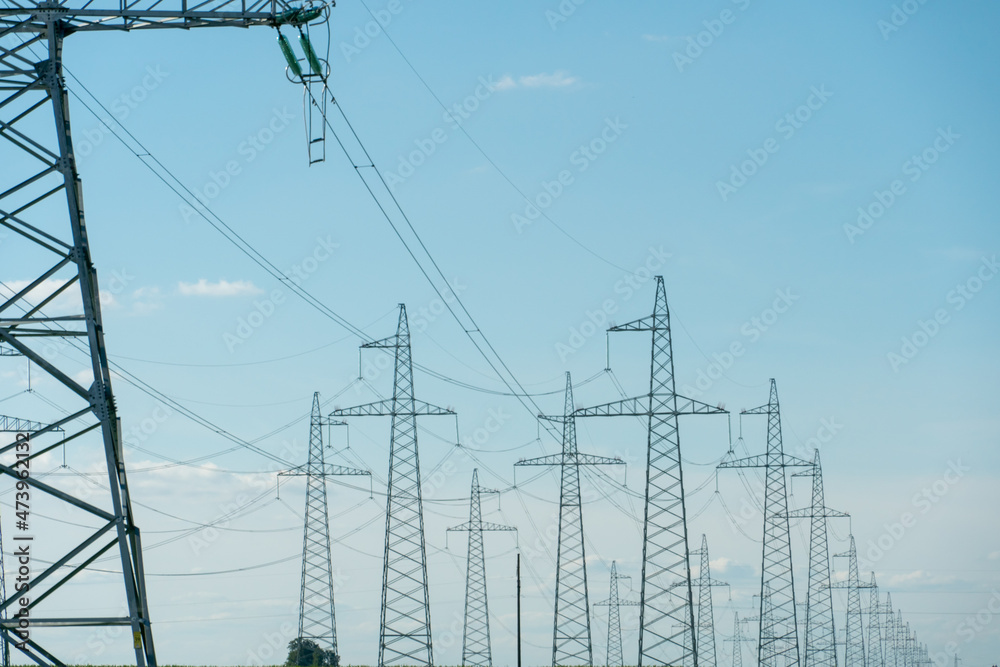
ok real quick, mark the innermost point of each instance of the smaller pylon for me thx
(855, 651)
(476, 649)
(738, 640)
(615, 655)
(876, 651)
(317, 619)
(705, 625)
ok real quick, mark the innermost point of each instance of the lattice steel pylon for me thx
(53, 254)
(854, 655)
(571, 639)
(476, 648)
(778, 645)
(615, 655)
(890, 650)
(405, 626)
(317, 617)
(738, 640)
(876, 650)
(666, 615)
(705, 634)
(820, 637)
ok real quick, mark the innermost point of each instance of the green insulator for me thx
(309, 15)
(287, 16)
(286, 50)
(311, 57)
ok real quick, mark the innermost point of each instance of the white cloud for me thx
(557, 79)
(221, 288)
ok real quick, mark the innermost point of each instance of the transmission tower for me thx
(666, 615)
(571, 641)
(616, 657)
(405, 627)
(855, 643)
(705, 636)
(54, 250)
(317, 620)
(476, 649)
(738, 640)
(778, 644)
(890, 649)
(820, 639)
(876, 651)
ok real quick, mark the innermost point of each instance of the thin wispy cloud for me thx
(557, 79)
(222, 288)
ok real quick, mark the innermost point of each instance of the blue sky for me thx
(670, 124)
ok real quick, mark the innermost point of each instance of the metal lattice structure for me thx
(778, 644)
(41, 202)
(855, 643)
(615, 655)
(705, 633)
(571, 639)
(738, 640)
(876, 650)
(666, 625)
(477, 650)
(820, 638)
(890, 648)
(405, 626)
(317, 617)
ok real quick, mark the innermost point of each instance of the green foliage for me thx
(307, 653)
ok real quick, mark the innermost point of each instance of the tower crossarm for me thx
(483, 526)
(571, 459)
(809, 513)
(329, 470)
(761, 461)
(389, 407)
(17, 425)
(88, 16)
(619, 603)
(641, 406)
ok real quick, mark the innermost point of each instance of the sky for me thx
(812, 182)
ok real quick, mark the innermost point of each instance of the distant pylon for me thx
(778, 645)
(666, 616)
(855, 643)
(476, 649)
(571, 640)
(705, 635)
(317, 619)
(892, 656)
(405, 626)
(820, 639)
(615, 656)
(876, 651)
(738, 640)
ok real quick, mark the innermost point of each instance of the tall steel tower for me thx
(571, 640)
(615, 657)
(705, 636)
(876, 651)
(317, 620)
(476, 649)
(892, 655)
(405, 627)
(738, 640)
(666, 616)
(53, 252)
(855, 643)
(778, 645)
(820, 639)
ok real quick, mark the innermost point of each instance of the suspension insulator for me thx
(311, 58)
(286, 50)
